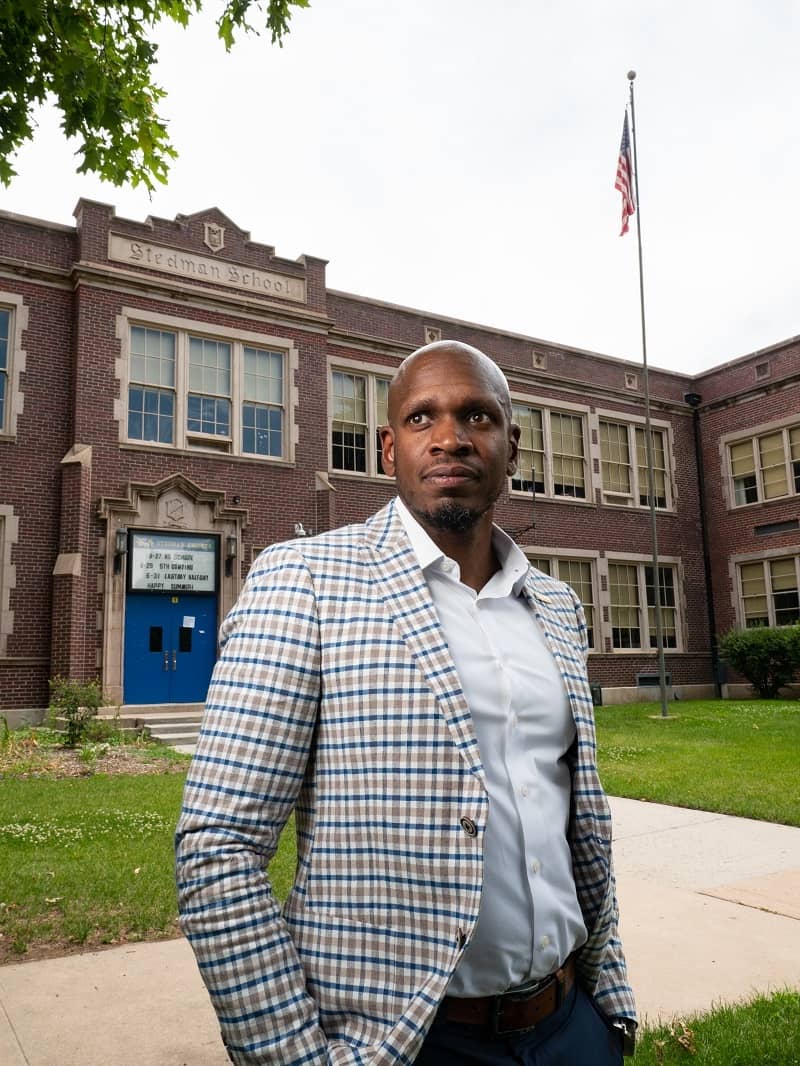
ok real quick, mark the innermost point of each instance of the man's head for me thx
(450, 442)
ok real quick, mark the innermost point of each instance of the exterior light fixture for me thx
(231, 551)
(120, 548)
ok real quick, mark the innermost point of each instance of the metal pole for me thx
(662, 674)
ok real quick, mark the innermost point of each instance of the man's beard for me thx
(452, 517)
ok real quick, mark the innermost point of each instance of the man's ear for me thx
(386, 434)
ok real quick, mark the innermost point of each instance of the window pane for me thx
(578, 575)
(783, 577)
(754, 594)
(3, 379)
(794, 452)
(152, 357)
(150, 415)
(5, 326)
(743, 468)
(349, 448)
(262, 430)
(540, 563)
(566, 432)
(349, 428)
(209, 366)
(530, 460)
(666, 581)
(381, 417)
(349, 398)
(206, 414)
(659, 467)
(623, 587)
(615, 458)
(773, 465)
(263, 376)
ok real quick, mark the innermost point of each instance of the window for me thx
(9, 533)
(233, 399)
(626, 482)
(13, 323)
(5, 337)
(359, 405)
(766, 467)
(631, 588)
(552, 435)
(769, 591)
(576, 573)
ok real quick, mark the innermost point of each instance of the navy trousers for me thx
(577, 1034)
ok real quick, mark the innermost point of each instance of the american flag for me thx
(624, 180)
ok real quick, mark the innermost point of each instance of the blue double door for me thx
(170, 646)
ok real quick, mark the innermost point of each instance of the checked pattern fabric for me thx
(336, 696)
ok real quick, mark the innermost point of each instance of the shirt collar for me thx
(513, 563)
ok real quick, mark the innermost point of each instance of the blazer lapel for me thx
(408, 602)
(545, 604)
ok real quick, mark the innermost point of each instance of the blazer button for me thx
(469, 827)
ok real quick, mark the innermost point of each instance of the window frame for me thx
(547, 411)
(9, 536)
(15, 363)
(631, 425)
(765, 561)
(642, 564)
(784, 428)
(227, 446)
(371, 372)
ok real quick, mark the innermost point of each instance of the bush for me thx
(76, 702)
(768, 658)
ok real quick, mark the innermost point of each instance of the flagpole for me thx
(662, 673)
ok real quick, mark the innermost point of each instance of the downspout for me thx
(694, 400)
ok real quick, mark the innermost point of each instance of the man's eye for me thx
(478, 416)
(418, 418)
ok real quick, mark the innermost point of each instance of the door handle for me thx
(166, 660)
(174, 659)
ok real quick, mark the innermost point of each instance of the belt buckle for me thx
(517, 995)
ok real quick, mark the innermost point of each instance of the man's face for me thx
(450, 444)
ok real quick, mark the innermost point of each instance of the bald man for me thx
(416, 693)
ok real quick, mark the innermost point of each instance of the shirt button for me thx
(469, 827)
(536, 867)
(544, 942)
(524, 790)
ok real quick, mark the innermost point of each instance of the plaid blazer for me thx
(336, 696)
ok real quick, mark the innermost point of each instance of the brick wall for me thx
(75, 295)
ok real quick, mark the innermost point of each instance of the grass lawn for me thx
(88, 859)
(764, 1032)
(737, 757)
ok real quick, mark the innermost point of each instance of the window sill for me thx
(203, 453)
(517, 494)
(356, 475)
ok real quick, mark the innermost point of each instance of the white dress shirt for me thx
(530, 920)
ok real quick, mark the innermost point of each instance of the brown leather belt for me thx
(515, 1010)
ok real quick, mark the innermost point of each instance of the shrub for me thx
(76, 702)
(768, 658)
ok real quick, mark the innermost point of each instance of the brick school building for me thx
(175, 396)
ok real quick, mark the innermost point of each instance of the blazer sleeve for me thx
(242, 785)
(611, 988)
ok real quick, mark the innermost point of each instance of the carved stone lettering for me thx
(187, 265)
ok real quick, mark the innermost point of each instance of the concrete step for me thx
(171, 723)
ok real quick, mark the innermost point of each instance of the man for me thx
(417, 694)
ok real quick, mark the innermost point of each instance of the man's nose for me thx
(450, 435)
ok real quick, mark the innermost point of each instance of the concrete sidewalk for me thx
(710, 912)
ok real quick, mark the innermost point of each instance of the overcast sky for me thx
(459, 156)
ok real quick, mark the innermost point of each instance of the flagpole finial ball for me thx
(631, 75)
